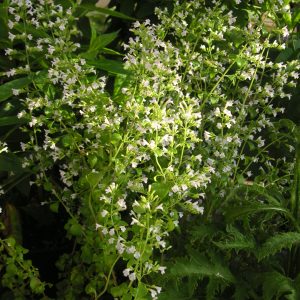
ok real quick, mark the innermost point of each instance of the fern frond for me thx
(202, 231)
(201, 266)
(297, 286)
(276, 285)
(235, 240)
(241, 291)
(214, 287)
(239, 212)
(278, 242)
(174, 293)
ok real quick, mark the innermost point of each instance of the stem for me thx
(183, 146)
(108, 278)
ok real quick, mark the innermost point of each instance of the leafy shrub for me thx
(193, 117)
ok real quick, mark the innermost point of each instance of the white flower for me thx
(162, 269)
(175, 188)
(123, 228)
(121, 204)
(132, 276)
(159, 207)
(153, 293)
(126, 272)
(104, 213)
(285, 32)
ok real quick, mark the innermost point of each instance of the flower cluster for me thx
(196, 114)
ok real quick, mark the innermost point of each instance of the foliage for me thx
(186, 140)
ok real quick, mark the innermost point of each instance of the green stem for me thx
(108, 278)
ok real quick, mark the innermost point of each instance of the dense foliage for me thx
(167, 157)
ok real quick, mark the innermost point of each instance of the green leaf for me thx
(285, 55)
(296, 17)
(141, 291)
(116, 138)
(118, 291)
(276, 285)
(161, 189)
(235, 240)
(32, 30)
(6, 88)
(11, 120)
(102, 40)
(54, 207)
(92, 160)
(111, 66)
(14, 223)
(111, 52)
(3, 22)
(76, 229)
(214, 287)
(120, 82)
(85, 8)
(235, 212)
(93, 178)
(36, 285)
(10, 163)
(278, 242)
(199, 265)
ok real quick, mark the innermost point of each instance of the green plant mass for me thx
(149, 150)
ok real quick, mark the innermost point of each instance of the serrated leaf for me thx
(199, 265)
(235, 212)
(6, 88)
(235, 240)
(214, 287)
(276, 285)
(201, 231)
(278, 242)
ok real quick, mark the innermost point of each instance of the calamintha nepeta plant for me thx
(194, 117)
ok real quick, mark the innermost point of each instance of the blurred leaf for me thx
(278, 242)
(85, 8)
(285, 55)
(120, 82)
(11, 120)
(32, 30)
(145, 9)
(110, 51)
(296, 44)
(236, 212)
(296, 17)
(111, 66)
(6, 88)
(9, 162)
(162, 189)
(103, 40)
(12, 222)
(3, 22)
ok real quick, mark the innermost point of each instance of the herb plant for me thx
(187, 137)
